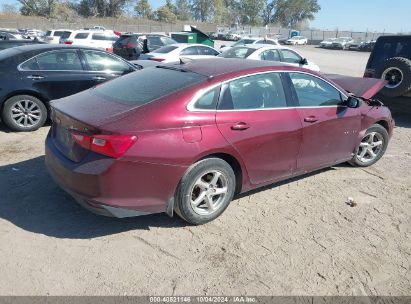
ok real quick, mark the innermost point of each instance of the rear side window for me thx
(270, 55)
(192, 50)
(65, 35)
(290, 56)
(81, 36)
(167, 40)
(314, 92)
(54, 61)
(263, 91)
(237, 52)
(203, 50)
(166, 49)
(58, 33)
(48, 33)
(141, 87)
(208, 101)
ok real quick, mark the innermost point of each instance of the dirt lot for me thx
(294, 238)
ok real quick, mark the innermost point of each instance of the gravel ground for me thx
(298, 237)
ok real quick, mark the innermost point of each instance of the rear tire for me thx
(24, 113)
(205, 191)
(372, 147)
(400, 69)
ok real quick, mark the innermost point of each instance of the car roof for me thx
(46, 47)
(212, 67)
(257, 46)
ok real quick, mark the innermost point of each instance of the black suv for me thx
(391, 60)
(130, 46)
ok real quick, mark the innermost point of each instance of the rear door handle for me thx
(240, 126)
(311, 119)
(35, 77)
(99, 78)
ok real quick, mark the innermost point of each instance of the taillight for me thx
(110, 145)
(110, 50)
(369, 73)
(157, 59)
(68, 42)
(117, 33)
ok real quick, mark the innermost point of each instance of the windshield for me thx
(243, 41)
(146, 85)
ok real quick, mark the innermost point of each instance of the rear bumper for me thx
(114, 187)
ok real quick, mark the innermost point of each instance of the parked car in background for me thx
(212, 35)
(173, 52)
(270, 53)
(93, 38)
(282, 40)
(53, 36)
(64, 36)
(297, 40)
(209, 130)
(354, 45)
(366, 46)
(341, 43)
(11, 35)
(390, 60)
(251, 40)
(5, 44)
(327, 43)
(131, 45)
(33, 75)
(233, 36)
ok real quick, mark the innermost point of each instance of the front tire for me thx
(205, 191)
(24, 113)
(372, 147)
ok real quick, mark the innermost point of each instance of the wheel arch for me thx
(35, 94)
(384, 124)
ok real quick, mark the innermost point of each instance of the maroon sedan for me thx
(188, 137)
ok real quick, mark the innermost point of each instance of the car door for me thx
(102, 66)
(330, 129)
(55, 74)
(255, 119)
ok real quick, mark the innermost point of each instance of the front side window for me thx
(314, 92)
(54, 61)
(270, 55)
(237, 52)
(99, 61)
(254, 92)
(290, 56)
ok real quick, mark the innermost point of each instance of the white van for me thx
(93, 38)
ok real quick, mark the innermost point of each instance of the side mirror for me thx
(304, 61)
(353, 102)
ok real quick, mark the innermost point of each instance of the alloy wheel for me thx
(208, 192)
(370, 147)
(26, 113)
(394, 77)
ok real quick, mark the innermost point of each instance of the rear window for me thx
(390, 47)
(48, 33)
(65, 35)
(166, 49)
(237, 52)
(58, 33)
(81, 36)
(144, 86)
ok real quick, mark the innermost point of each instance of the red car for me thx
(188, 137)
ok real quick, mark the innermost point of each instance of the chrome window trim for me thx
(190, 106)
(20, 69)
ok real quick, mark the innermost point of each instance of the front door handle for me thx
(35, 77)
(311, 119)
(99, 78)
(240, 126)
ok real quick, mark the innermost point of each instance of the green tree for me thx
(166, 13)
(43, 8)
(101, 8)
(182, 10)
(65, 11)
(251, 10)
(268, 11)
(219, 12)
(143, 9)
(290, 13)
(202, 9)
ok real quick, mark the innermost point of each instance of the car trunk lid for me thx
(361, 87)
